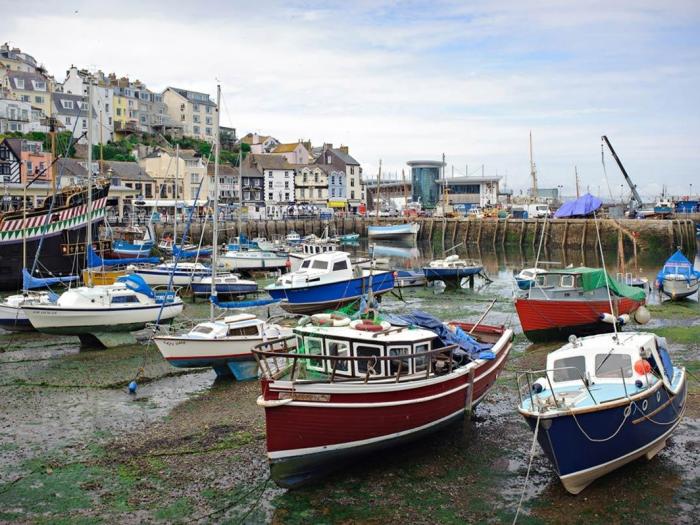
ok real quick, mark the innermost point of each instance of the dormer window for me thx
(67, 104)
(328, 159)
(19, 83)
(39, 85)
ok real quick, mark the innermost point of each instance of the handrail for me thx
(530, 373)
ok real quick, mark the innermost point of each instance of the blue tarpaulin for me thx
(95, 261)
(30, 282)
(580, 207)
(677, 264)
(191, 254)
(137, 284)
(464, 341)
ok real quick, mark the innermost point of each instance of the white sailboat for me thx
(91, 312)
(226, 345)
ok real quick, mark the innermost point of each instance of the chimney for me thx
(344, 149)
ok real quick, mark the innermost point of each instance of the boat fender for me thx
(607, 318)
(133, 386)
(304, 321)
(642, 315)
(366, 325)
(623, 319)
(642, 367)
(330, 320)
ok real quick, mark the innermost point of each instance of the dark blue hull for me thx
(578, 460)
(16, 325)
(450, 274)
(313, 299)
(524, 284)
(224, 289)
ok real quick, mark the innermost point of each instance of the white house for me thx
(278, 183)
(71, 111)
(76, 83)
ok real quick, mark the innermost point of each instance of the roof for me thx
(70, 167)
(345, 157)
(270, 162)
(225, 170)
(468, 180)
(248, 138)
(128, 170)
(193, 96)
(75, 111)
(286, 148)
(27, 77)
(15, 145)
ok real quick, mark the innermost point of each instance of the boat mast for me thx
(378, 199)
(177, 175)
(24, 215)
(215, 215)
(405, 191)
(88, 240)
(533, 173)
(578, 191)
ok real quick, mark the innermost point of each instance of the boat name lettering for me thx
(296, 396)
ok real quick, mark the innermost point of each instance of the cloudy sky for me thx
(399, 80)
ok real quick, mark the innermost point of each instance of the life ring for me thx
(330, 320)
(366, 325)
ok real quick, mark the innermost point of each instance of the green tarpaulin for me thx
(594, 278)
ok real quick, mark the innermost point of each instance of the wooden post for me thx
(522, 232)
(478, 234)
(468, 408)
(671, 236)
(454, 232)
(566, 233)
(495, 233)
(505, 233)
(466, 232)
(534, 236)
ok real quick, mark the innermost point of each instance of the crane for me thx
(635, 194)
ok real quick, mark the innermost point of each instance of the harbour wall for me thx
(661, 236)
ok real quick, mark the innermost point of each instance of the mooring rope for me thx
(529, 466)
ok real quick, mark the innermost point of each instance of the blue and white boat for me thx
(395, 231)
(240, 243)
(678, 278)
(136, 243)
(527, 276)
(225, 345)
(407, 278)
(327, 281)
(183, 273)
(227, 284)
(602, 402)
(451, 269)
(293, 238)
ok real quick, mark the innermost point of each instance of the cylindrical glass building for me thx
(424, 182)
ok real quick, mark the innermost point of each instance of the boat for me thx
(276, 244)
(240, 243)
(451, 269)
(224, 345)
(327, 281)
(308, 248)
(602, 402)
(102, 276)
(352, 388)
(61, 221)
(348, 238)
(678, 278)
(293, 238)
(174, 272)
(226, 284)
(664, 207)
(409, 229)
(408, 278)
(574, 301)
(125, 306)
(253, 260)
(13, 318)
(135, 242)
(526, 277)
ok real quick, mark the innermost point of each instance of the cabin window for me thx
(404, 362)
(340, 349)
(368, 351)
(121, 299)
(340, 265)
(244, 330)
(567, 281)
(202, 329)
(314, 346)
(305, 264)
(319, 265)
(609, 365)
(420, 363)
(569, 368)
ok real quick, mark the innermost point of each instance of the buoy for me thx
(132, 387)
(642, 315)
(642, 367)
(623, 319)
(607, 318)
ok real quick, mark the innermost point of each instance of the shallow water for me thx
(194, 446)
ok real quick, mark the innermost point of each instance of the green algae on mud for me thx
(685, 310)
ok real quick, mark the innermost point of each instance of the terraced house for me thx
(195, 112)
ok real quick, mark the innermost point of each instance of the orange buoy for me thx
(642, 367)
(369, 327)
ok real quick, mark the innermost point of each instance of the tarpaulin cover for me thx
(464, 341)
(94, 260)
(137, 284)
(594, 278)
(580, 207)
(30, 282)
(677, 264)
(190, 254)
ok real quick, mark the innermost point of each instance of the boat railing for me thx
(527, 380)
(278, 358)
(175, 327)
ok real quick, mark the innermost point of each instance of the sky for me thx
(405, 80)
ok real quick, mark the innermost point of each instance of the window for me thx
(67, 104)
(318, 192)
(362, 366)
(420, 363)
(196, 107)
(269, 184)
(302, 193)
(122, 299)
(195, 130)
(352, 182)
(270, 196)
(107, 108)
(570, 368)
(352, 170)
(68, 121)
(251, 330)
(29, 166)
(39, 85)
(38, 99)
(332, 192)
(332, 179)
(567, 281)
(119, 112)
(352, 194)
(202, 329)
(306, 263)
(315, 177)
(194, 178)
(209, 121)
(24, 98)
(340, 265)
(319, 265)
(19, 83)
(304, 177)
(286, 185)
(286, 196)
(609, 365)
(314, 346)
(328, 159)
(195, 119)
(286, 174)
(404, 363)
(339, 349)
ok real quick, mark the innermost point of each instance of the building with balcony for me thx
(31, 87)
(311, 185)
(468, 192)
(195, 112)
(182, 177)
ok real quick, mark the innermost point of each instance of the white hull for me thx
(253, 263)
(679, 288)
(182, 347)
(163, 278)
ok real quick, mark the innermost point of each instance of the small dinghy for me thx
(451, 269)
(678, 278)
(526, 278)
(602, 402)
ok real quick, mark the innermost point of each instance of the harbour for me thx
(190, 446)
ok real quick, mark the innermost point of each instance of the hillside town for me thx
(277, 178)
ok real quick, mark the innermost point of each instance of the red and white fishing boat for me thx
(575, 301)
(353, 388)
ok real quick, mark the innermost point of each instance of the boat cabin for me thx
(453, 261)
(102, 296)
(241, 325)
(317, 269)
(379, 354)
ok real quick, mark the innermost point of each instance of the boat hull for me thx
(162, 277)
(317, 426)
(679, 288)
(452, 275)
(14, 319)
(544, 320)
(224, 289)
(408, 278)
(253, 263)
(76, 321)
(524, 284)
(393, 232)
(579, 461)
(314, 299)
